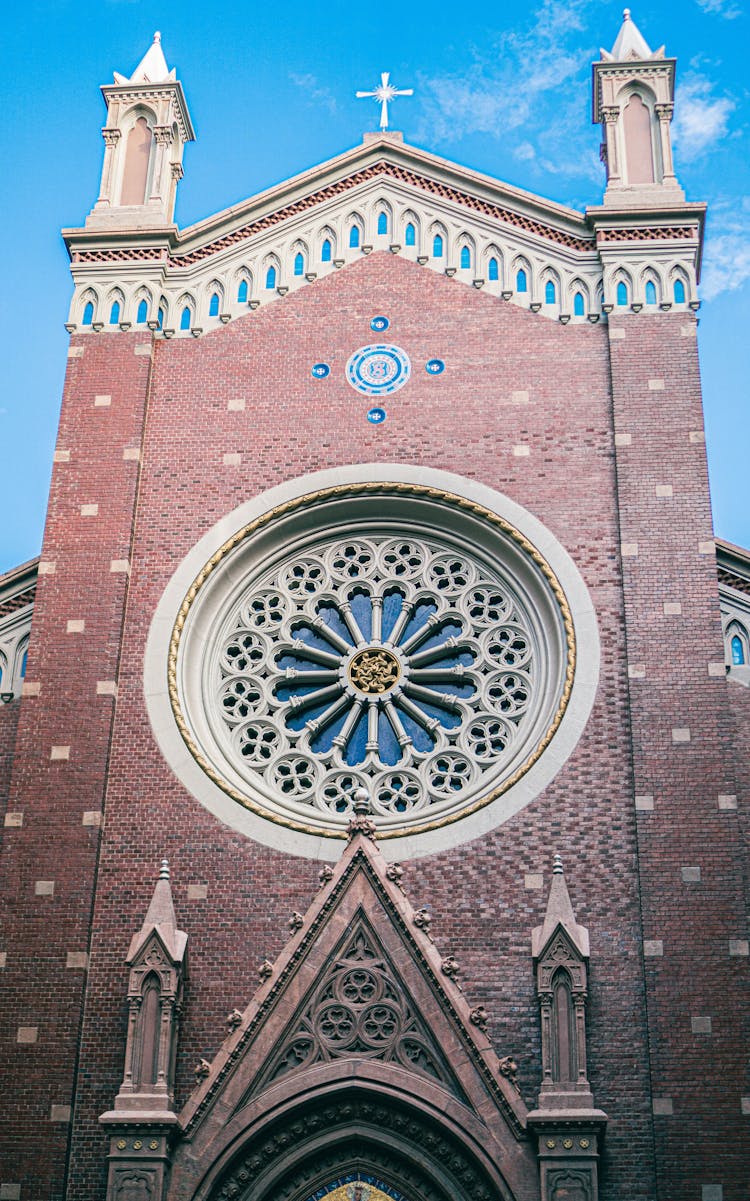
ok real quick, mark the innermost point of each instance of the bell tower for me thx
(147, 127)
(633, 101)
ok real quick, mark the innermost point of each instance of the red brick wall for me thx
(683, 760)
(461, 421)
(40, 929)
(8, 723)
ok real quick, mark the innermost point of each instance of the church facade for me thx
(373, 773)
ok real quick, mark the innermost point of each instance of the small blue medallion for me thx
(435, 367)
(376, 416)
(379, 324)
(321, 370)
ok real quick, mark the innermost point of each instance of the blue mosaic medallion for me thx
(321, 370)
(376, 416)
(379, 324)
(378, 370)
(434, 367)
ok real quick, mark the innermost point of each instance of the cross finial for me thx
(384, 95)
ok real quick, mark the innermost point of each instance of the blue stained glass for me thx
(213, 308)
(462, 689)
(410, 235)
(354, 237)
(23, 663)
(578, 305)
(417, 733)
(185, 319)
(142, 316)
(323, 741)
(437, 247)
(299, 719)
(493, 272)
(650, 292)
(334, 621)
(356, 746)
(423, 610)
(271, 278)
(550, 294)
(679, 292)
(114, 314)
(311, 638)
(382, 223)
(88, 314)
(392, 602)
(325, 251)
(388, 748)
(362, 610)
(448, 718)
(160, 319)
(289, 688)
(242, 292)
(297, 662)
(444, 631)
(521, 282)
(622, 293)
(299, 263)
(738, 651)
(465, 258)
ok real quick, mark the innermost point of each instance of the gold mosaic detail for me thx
(370, 488)
(374, 671)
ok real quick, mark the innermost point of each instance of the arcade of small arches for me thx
(517, 273)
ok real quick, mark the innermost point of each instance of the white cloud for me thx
(721, 8)
(726, 264)
(700, 119)
(317, 92)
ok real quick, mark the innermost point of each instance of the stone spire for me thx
(160, 917)
(147, 128)
(630, 44)
(559, 913)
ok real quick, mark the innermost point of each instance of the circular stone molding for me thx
(412, 633)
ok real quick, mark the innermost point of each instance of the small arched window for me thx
(186, 317)
(550, 293)
(325, 251)
(465, 258)
(410, 235)
(650, 292)
(141, 316)
(242, 292)
(271, 277)
(579, 305)
(24, 660)
(88, 313)
(738, 651)
(114, 313)
(299, 263)
(493, 270)
(679, 292)
(354, 236)
(437, 246)
(213, 308)
(382, 222)
(622, 294)
(160, 317)
(522, 284)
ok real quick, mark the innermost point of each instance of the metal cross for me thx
(384, 94)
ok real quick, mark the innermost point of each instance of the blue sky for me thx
(499, 87)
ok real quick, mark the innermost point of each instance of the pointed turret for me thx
(633, 101)
(148, 125)
(559, 914)
(160, 919)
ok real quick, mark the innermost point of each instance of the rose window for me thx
(390, 637)
(404, 665)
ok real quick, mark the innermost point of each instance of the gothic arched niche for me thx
(137, 159)
(639, 153)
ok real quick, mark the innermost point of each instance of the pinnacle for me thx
(630, 44)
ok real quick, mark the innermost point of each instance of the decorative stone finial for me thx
(626, 14)
(164, 870)
(157, 36)
(557, 867)
(361, 823)
(361, 801)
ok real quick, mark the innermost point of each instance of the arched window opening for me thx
(679, 292)
(271, 278)
(650, 292)
(622, 294)
(636, 121)
(493, 270)
(579, 305)
(382, 222)
(213, 308)
(465, 258)
(325, 251)
(564, 1057)
(242, 292)
(550, 293)
(354, 236)
(141, 316)
(410, 235)
(522, 284)
(160, 318)
(88, 313)
(437, 246)
(114, 313)
(299, 263)
(150, 1030)
(738, 651)
(186, 318)
(24, 659)
(137, 155)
